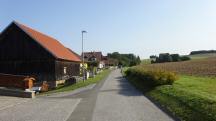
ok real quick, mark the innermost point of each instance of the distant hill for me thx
(203, 52)
(202, 56)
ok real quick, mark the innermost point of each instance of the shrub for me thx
(185, 58)
(150, 78)
(175, 57)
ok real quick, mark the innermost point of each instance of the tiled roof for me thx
(74, 53)
(50, 44)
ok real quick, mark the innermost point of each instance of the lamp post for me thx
(83, 71)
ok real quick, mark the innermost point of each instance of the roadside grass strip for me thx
(80, 84)
(190, 98)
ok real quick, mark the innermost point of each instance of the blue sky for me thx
(142, 27)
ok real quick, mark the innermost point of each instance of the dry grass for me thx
(202, 67)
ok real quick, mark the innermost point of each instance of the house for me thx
(110, 61)
(25, 51)
(94, 57)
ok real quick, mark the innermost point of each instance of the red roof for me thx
(74, 53)
(88, 55)
(50, 44)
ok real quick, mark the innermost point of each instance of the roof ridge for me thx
(21, 25)
(36, 31)
(52, 45)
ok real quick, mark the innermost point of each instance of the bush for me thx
(175, 57)
(150, 78)
(185, 58)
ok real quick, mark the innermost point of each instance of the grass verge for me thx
(190, 98)
(146, 61)
(80, 84)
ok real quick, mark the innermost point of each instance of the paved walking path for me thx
(113, 99)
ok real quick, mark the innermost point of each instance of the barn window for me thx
(65, 70)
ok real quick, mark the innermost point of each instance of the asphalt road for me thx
(119, 101)
(41, 109)
(113, 99)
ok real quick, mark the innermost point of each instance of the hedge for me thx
(150, 78)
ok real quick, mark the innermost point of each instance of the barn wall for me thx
(72, 69)
(41, 70)
(20, 54)
(16, 45)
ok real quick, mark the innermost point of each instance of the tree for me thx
(125, 59)
(153, 58)
(138, 60)
(175, 57)
(165, 57)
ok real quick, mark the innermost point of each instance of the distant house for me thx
(94, 57)
(110, 61)
(24, 51)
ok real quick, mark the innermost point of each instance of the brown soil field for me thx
(202, 67)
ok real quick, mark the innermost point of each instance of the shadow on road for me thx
(127, 89)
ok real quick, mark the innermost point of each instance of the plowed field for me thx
(201, 67)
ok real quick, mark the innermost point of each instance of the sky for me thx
(142, 27)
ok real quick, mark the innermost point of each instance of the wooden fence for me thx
(16, 81)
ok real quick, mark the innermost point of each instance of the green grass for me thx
(146, 61)
(80, 84)
(190, 98)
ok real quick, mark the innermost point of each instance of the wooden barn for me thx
(25, 51)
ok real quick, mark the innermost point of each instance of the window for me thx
(93, 59)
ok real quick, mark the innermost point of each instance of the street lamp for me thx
(83, 71)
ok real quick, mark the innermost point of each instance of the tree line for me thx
(125, 59)
(166, 57)
(202, 52)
